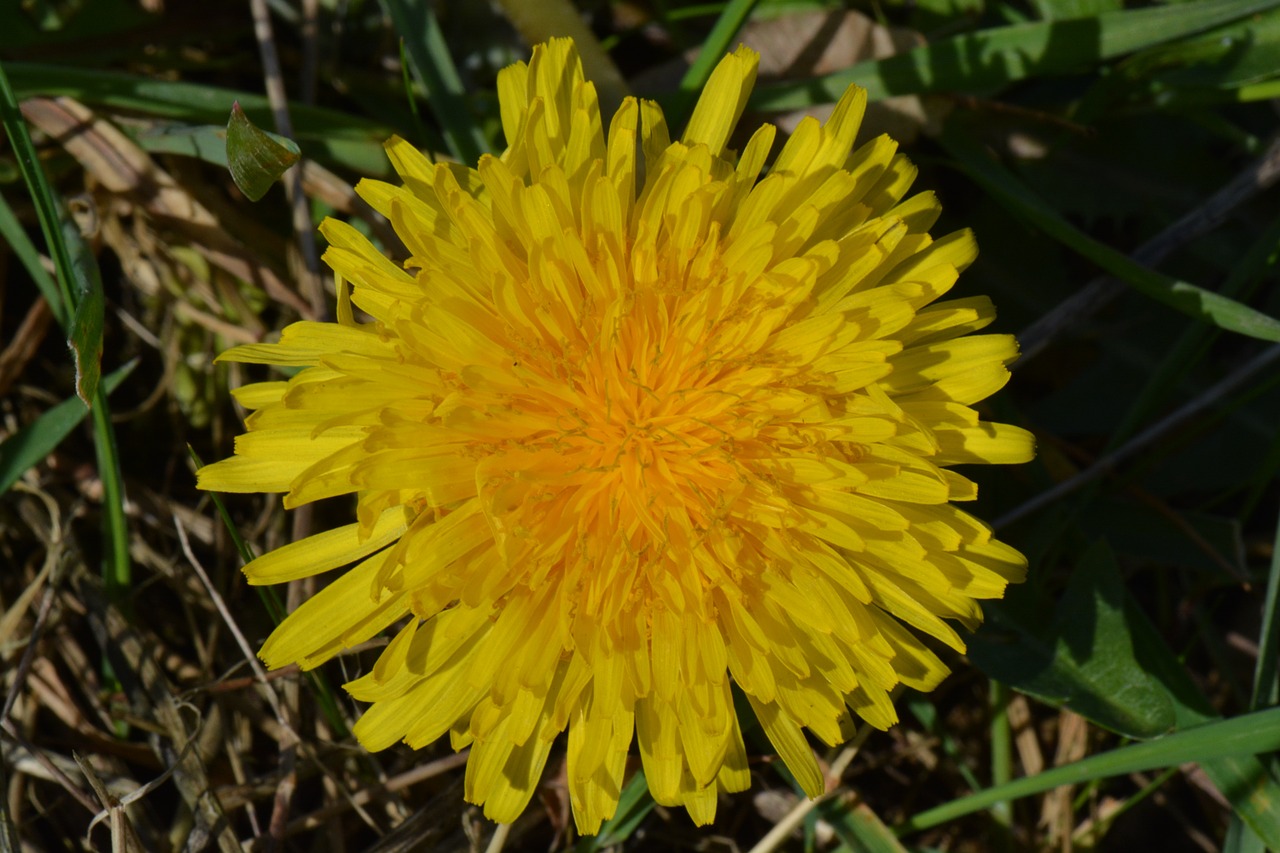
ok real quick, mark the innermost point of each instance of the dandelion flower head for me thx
(633, 424)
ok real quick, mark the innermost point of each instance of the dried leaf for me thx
(120, 166)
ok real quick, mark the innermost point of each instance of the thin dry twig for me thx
(1110, 461)
(54, 771)
(783, 828)
(1090, 299)
(47, 577)
(365, 795)
(123, 836)
(152, 696)
(293, 178)
(289, 738)
(25, 343)
(221, 606)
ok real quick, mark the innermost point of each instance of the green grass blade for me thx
(337, 137)
(634, 806)
(12, 232)
(1266, 676)
(205, 142)
(1001, 749)
(1204, 305)
(81, 291)
(275, 609)
(859, 828)
(719, 40)
(1245, 735)
(270, 601)
(1241, 839)
(997, 57)
(29, 445)
(41, 193)
(85, 335)
(433, 67)
(117, 570)
(1255, 267)
(1146, 675)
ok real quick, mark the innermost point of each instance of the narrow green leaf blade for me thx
(343, 139)
(1246, 735)
(1242, 779)
(203, 142)
(859, 828)
(634, 806)
(997, 57)
(433, 67)
(718, 41)
(1204, 305)
(12, 232)
(85, 336)
(47, 208)
(255, 157)
(36, 440)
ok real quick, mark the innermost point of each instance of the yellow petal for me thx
(324, 551)
(343, 614)
(722, 100)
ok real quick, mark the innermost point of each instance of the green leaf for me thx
(36, 440)
(1242, 779)
(433, 67)
(634, 806)
(1086, 660)
(46, 202)
(1193, 301)
(1266, 674)
(996, 57)
(202, 141)
(340, 138)
(255, 157)
(1226, 57)
(718, 41)
(78, 268)
(85, 337)
(1240, 737)
(14, 234)
(1065, 9)
(859, 828)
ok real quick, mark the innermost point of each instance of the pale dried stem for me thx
(152, 696)
(289, 738)
(310, 50)
(499, 839)
(245, 649)
(54, 771)
(783, 828)
(278, 99)
(1055, 808)
(50, 576)
(360, 798)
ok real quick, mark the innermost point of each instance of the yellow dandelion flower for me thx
(632, 425)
